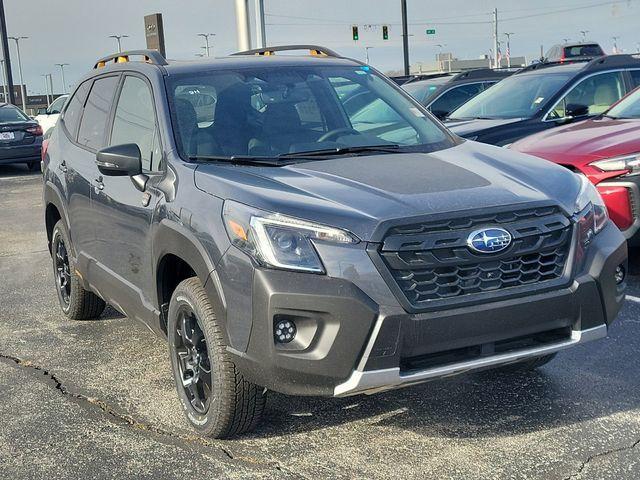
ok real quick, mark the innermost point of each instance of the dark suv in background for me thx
(543, 96)
(280, 240)
(20, 137)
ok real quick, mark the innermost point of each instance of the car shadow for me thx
(588, 382)
(17, 170)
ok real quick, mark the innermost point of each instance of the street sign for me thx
(431, 31)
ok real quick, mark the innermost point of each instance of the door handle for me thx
(63, 166)
(99, 184)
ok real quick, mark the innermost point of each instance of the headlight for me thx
(630, 163)
(590, 211)
(279, 241)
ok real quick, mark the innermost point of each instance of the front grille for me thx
(430, 262)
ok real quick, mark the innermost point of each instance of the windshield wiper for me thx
(241, 159)
(386, 148)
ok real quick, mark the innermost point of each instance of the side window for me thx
(135, 121)
(56, 106)
(597, 93)
(96, 113)
(452, 99)
(73, 112)
(635, 78)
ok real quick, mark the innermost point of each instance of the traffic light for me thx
(385, 32)
(354, 31)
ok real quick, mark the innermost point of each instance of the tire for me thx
(76, 302)
(219, 403)
(530, 364)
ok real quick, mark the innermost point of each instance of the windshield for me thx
(9, 114)
(423, 90)
(272, 112)
(519, 96)
(629, 107)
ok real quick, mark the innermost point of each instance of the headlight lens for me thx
(591, 212)
(630, 163)
(279, 241)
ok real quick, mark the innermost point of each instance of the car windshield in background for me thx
(519, 96)
(273, 112)
(423, 90)
(9, 114)
(628, 107)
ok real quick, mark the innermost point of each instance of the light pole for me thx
(206, 40)
(64, 85)
(566, 40)
(508, 52)
(119, 40)
(23, 91)
(584, 35)
(46, 87)
(366, 53)
(615, 46)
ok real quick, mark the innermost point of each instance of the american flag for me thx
(499, 56)
(508, 53)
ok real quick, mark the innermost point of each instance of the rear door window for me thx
(452, 99)
(73, 112)
(635, 78)
(96, 113)
(135, 120)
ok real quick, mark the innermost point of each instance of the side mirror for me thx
(576, 110)
(120, 160)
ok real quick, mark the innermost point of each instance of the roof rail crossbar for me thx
(617, 60)
(314, 50)
(150, 56)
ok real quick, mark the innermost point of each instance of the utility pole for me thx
(206, 40)
(51, 85)
(7, 57)
(261, 32)
(119, 40)
(584, 35)
(64, 85)
(23, 91)
(495, 38)
(615, 44)
(46, 87)
(366, 53)
(508, 52)
(242, 25)
(405, 36)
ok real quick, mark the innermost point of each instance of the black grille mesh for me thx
(431, 261)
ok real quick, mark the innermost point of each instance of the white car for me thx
(48, 119)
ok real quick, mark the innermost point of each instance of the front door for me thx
(123, 213)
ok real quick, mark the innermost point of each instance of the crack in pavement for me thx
(83, 400)
(589, 459)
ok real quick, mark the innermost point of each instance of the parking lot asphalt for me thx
(96, 400)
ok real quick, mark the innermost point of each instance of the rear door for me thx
(122, 213)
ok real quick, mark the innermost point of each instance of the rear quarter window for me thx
(73, 112)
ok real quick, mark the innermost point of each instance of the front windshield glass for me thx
(519, 96)
(9, 114)
(629, 107)
(270, 111)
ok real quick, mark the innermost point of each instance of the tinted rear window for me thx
(583, 51)
(9, 114)
(73, 112)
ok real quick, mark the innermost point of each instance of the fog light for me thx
(620, 274)
(285, 331)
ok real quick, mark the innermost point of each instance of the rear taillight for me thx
(37, 130)
(45, 144)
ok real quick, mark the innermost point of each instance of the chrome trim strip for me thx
(635, 194)
(386, 379)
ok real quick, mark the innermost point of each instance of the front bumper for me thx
(622, 199)
(356, 338)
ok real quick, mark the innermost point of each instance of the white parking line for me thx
(633, 299)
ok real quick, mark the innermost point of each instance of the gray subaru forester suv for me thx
(299, 224)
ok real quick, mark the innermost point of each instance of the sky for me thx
(76, 31)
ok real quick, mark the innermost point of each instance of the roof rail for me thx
(617, 60)
(149, 56)
(314, 50)
(484, 72)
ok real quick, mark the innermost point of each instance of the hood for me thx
(584, 142)
(360, 193)
(469, 128)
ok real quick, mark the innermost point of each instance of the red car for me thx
(607, 150)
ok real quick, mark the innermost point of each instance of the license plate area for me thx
(7, 136)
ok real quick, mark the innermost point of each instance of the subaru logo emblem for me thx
(489, 240)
